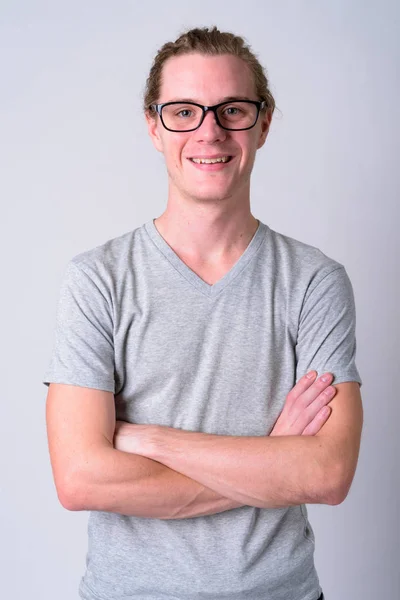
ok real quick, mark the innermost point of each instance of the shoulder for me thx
(302, 264)
(107, 263)
(106, 255)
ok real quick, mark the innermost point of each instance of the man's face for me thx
(208, 80)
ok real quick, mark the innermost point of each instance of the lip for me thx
(211, 156)
(212, 167)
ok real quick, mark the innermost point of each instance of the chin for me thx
(212, 187)
(209, 195)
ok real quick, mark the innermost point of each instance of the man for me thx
(180, 412)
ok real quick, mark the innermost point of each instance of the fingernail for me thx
(325, 377)
(310, 375)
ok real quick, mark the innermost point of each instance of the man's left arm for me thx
(268, 472)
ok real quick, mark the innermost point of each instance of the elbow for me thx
(338, 485)
(85, 486)
(70, 494)
(69, 500)
(80, 481)
(340, 493)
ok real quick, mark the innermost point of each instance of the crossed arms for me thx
(168, 473)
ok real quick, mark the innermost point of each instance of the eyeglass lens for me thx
(233, 115)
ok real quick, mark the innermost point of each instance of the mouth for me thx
(211, 164)
(215, 160)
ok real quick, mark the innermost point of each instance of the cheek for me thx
(175, 153)
(244, 144)
(175, 161)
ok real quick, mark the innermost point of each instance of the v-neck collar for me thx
(186, 272)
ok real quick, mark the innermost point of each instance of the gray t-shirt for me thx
(135, 320)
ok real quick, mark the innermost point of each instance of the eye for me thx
(233, 108)
(184, 110)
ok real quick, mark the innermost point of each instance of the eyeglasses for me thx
(236, 115)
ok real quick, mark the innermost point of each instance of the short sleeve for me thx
(326, 340)
(83, 350)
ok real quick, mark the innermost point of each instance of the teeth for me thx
(207, 161)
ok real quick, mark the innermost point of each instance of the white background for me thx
(78, 168)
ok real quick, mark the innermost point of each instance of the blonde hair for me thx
(210, 42)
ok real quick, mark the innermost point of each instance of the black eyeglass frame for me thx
(158, 108)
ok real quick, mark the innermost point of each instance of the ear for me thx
(152, 126)
(265, 123)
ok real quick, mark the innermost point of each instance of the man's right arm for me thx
(90, 474)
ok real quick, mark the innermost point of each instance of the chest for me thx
(210, 273)
(222, 366)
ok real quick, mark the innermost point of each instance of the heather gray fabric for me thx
(135, 320)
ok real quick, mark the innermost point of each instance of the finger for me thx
(318, 422)
(302, 385)
(294, 409)
(312, 392)
(308, 413)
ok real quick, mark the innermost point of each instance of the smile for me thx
(221, 163)
(211, 161)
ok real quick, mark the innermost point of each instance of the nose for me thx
(209, 130)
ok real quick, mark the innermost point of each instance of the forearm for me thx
(267, 472)
(129, 484)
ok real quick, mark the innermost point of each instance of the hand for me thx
(305, 410)
(133, 438)
(121, 439)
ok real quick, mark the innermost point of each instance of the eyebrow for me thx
(225, 99)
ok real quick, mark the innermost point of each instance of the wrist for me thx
(135, 439)
(155, 442)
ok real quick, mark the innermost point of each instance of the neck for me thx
(207, 235)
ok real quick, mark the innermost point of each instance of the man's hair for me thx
(209, 42)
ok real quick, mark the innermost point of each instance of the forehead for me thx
(206, 79)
